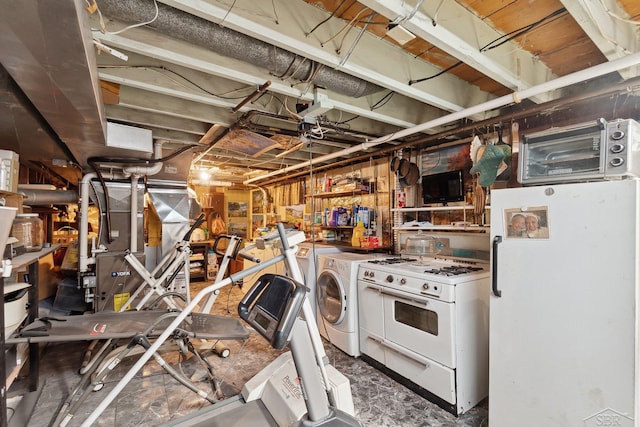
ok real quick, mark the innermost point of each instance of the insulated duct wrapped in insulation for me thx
(233, 44)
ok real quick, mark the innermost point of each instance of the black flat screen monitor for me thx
(443, 187)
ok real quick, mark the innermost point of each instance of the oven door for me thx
(371, 323)
(423, 325)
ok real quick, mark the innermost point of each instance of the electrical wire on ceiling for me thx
(348, 26)
(275, 12)
(505, 38)
(602, 32)
(352, 25)
(434, 20)
(317, 130)
(330, 16)
(295, 71)
(92, 7)
(618, 17)
(228, 12)
(159, 69)
(356, 41)
(294, 115)
(438, 74)
(315, 68)
(380, 103)
(361, 21)
(348, 120)
(400, 19)
(271, 98)
(286, 72)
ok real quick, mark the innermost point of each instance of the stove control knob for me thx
(389, 278)
(371, 274)
(425, 286)
(403, 281)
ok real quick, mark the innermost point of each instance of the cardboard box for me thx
(9, 168)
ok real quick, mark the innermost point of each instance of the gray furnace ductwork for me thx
(233, 44)
(171, 203)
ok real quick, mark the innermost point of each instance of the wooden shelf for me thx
(474, 228)
(338, 194)
(199, 255)
(29, 258)
(352, 248)
(437, 208)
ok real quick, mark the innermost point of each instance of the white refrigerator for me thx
(564, 348)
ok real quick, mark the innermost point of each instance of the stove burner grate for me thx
(388, 261)
(453, 270)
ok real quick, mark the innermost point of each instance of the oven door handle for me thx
(404, 297)
(494, 267)
(402, 352)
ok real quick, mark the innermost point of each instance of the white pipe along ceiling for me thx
(254, 91)
(515, 97)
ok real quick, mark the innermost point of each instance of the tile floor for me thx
(153, 397)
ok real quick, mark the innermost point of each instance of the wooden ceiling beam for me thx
(614, 37)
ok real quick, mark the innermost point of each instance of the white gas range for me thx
(425, 321)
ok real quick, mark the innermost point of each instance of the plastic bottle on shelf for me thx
(333, 221)
(364, 217)
(358, 232)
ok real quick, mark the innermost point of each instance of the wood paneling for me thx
(632, 7)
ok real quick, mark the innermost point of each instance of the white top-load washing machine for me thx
(337, 296)
(307, 257)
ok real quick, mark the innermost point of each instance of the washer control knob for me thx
(425, 286)
(389, 278)
(617, 148)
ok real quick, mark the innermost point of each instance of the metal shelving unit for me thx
(30, 260)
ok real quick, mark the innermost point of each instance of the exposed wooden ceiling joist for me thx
(606, 27)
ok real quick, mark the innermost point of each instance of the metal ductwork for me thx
(233, 44)
(47, 49)
(170, 201)
(49, 197)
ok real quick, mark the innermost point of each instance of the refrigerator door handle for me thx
(494, 267)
